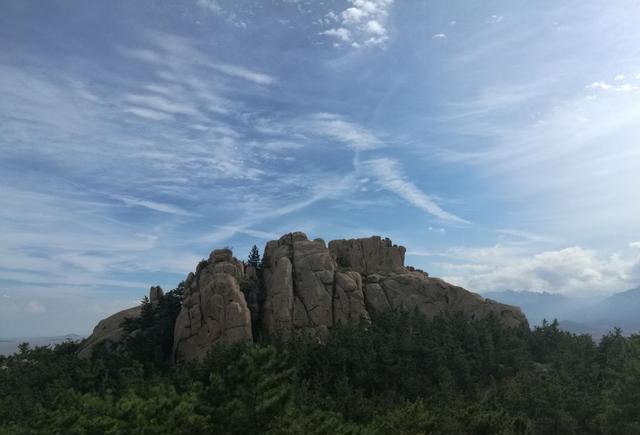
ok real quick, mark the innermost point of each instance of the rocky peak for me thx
(214, 309)
(368, 255)
(307, 286)
(155, 293)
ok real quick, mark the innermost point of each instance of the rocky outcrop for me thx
(309, 286)
(155, 294)
(298, 280)
(110, 331)
(368, 255)
(214, 309)
(304, 285)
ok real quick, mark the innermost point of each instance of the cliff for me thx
(310, 287)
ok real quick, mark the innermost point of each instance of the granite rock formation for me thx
(305, 285)
(110, 331)
(214, 309)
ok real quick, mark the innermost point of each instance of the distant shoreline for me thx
(9, 345)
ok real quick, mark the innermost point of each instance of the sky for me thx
(499, 141)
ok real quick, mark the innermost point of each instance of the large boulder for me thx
(368, 255)
(110, 331)
(432, 296)
(214, 309)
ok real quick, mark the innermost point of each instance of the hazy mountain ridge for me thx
(595, 316)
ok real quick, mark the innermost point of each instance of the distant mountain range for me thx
(583, 316)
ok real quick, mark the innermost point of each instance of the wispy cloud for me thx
(243, 73)
(336, 127)
(388, 174)
(153, 205)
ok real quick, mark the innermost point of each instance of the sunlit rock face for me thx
(214, 309)
(308, 287)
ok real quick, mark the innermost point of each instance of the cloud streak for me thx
(390, 177)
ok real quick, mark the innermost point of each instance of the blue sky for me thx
(498, 140)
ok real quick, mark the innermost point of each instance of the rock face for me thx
(369, 255)
(110, 331)
(304, 286)
(311, 287)
(214, 309)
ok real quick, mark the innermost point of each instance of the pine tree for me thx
(254, 257)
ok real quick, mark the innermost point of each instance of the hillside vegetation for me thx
(402, 373)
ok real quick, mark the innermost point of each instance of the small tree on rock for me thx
(254, 257)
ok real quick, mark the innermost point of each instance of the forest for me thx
(402, 373)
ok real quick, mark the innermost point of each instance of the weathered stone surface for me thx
(375, 299)
(348, 302)
(298, 278)
(368, 255)
(324, 287)
(108, 331)
(433, 296)
(277, 312)
(155, 293)
(214, 309)
(306, 286)
(220, 255)
(311, 260)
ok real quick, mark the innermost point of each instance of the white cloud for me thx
(626, 88)
(523, 235)
(216, 8)
(571, 270)
(341, 33)
(263, 235)
(619, 77)
(389, 176)
(212, 5)
(376, 29)
(334, 126)
(153, 205)
(439, 36)
(243, 73)
(363, 23)
(494, 19)
(145, 113)
(606, 87)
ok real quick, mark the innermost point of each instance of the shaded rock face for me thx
(214, 309)
(110, 331)
(369, 255)
(155, 294)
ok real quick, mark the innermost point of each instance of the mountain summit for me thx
(303, 285)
